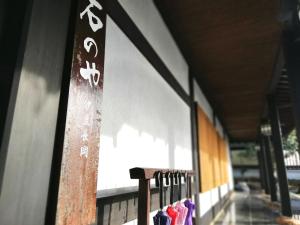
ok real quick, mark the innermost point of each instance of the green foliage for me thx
(246, 156)
(249, 152)
(290, 143)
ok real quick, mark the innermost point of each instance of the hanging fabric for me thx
(172, 212)
(180, 207)
(191, 207)
(188, 203)
(161, 218)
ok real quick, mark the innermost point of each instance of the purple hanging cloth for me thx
(191, 207)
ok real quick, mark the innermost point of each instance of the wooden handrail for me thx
(149, 173)
(145, 175)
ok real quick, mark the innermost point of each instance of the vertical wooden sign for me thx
(78, 175)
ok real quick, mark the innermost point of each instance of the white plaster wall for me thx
(145, 122)
(224, 189)
(215, 195)
(205, 202)
(148, 19)
(202, 101)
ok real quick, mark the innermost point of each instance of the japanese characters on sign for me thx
(90, 73)
(78, 177)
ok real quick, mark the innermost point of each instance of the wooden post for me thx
(144, 202)
(261, 169)
(279, 157)
(265, 165)
(292, 58)
(195, 143)
(189, 181)
(273, 189)
(78, 147)
(29, 135)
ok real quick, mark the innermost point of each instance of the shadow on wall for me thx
(144, 122)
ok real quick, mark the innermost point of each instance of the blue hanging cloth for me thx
(161, 218)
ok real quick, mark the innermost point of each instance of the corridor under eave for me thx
(232, 47)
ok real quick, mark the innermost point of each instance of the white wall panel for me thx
(147, 18)
(215, 195)
(205, 202)
(224, 190)
(202, 101)
(145, 123)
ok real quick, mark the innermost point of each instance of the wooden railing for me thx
(144, 175)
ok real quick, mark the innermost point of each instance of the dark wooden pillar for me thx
(279, 157)
(144, 202)
(272, 181)
(13, 28)
(292, 59)
(265, 166)
(195, 144)
(29, 134)
(261, 169)
(76, 182)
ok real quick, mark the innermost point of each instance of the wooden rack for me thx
(145, 175)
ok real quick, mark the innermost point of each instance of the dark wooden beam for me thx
(277, 70)
(265, 165)
(29, 137)
(272, 181)
(195, 144)
(292, 55)
(261, 169)
(13, 30)
(279, 157)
